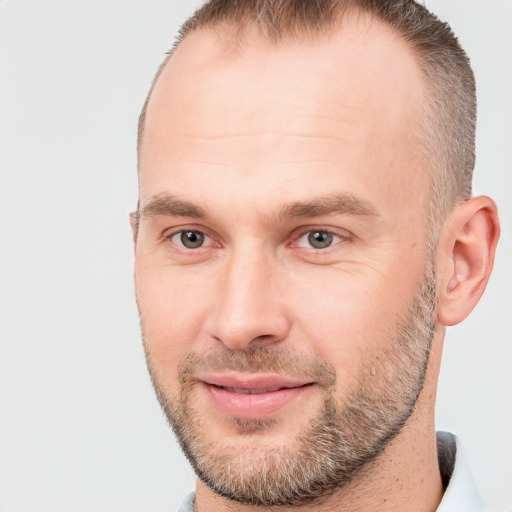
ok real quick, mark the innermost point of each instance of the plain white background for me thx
(80, 429)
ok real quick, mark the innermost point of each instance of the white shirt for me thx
(461, 494)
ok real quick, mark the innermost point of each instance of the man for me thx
(305, 233)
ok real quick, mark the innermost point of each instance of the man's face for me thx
(281, 257)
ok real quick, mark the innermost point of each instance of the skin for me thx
(241, 134)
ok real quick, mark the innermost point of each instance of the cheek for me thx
(171, 315)
(347, 319)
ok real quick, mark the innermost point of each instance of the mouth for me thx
(256, 391)
(253, 397)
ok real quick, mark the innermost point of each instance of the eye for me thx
(189, 239)
(318, 239)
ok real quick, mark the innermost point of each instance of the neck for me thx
(404, 477)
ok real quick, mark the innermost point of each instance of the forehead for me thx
(353, 100)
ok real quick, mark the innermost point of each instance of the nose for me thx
(248, 311)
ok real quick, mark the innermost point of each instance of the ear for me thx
(465, 257)
(134, 224)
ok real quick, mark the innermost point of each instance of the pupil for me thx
(320, 239)
(192, 239)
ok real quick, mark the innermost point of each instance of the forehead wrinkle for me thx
(169, 205)
(332, 204)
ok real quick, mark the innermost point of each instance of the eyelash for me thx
(180, 233)
(332, 234)
(336, 238)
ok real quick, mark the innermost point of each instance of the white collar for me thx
(461, 493)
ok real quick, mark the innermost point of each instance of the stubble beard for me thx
(336, 446)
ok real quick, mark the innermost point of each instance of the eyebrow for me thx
(327, 205)
(168, 205)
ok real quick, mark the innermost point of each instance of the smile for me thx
(253, 398)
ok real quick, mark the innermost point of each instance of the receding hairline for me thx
(235, 36)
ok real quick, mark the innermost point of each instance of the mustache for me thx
(257, 360)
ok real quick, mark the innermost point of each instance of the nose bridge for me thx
(247, 310)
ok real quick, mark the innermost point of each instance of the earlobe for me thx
(467, 244)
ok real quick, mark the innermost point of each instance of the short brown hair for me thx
(447, 134)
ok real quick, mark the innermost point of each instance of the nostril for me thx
(264, 337)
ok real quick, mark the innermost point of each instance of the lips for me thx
(252, 397)
(251, 391)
